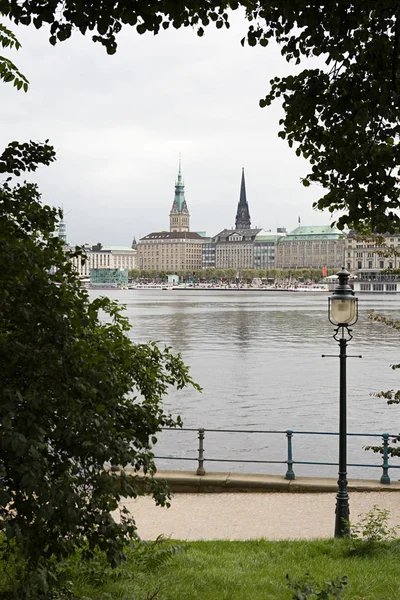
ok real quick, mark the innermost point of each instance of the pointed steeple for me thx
(179, 188)
(179, 215)
(243, 214)
(62, 228)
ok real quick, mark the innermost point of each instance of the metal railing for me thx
(288, 460)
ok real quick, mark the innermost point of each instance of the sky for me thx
(118, 124)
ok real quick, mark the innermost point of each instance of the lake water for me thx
(257, 356)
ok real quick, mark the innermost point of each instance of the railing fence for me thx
(289, 460)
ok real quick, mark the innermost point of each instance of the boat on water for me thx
(371, 281)
(312, 287)
(149, 286)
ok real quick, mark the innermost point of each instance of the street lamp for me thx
(342, 312)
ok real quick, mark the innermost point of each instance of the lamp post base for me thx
(342, 524)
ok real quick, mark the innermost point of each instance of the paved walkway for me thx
(273, 515)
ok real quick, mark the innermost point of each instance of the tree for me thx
(77, 395)
(342, 113)
(8, 71)
(134, 273)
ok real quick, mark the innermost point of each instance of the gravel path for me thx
(241, 516)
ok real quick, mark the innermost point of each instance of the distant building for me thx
(170, 251)
(111, 257)
(178, 249)
(208, 253)
(179, 216)
(242, 214)
(234, 248)
(62, 231)
(108, 277)
(245, 247)
(364, 255)
(264, 248)
(311, 247)
(376, 269)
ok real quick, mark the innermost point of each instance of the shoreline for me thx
(188, 482)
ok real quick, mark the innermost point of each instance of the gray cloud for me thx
(119, 123)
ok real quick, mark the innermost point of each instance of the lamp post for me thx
(342, 312)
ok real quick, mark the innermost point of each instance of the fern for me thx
(150, 555)
(308, 587)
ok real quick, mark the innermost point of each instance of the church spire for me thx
(62, 228)
(243, 214)
(179, 215)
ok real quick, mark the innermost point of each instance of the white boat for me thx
(380, 286)
(376, 281)
(149, 286)
(312, 287)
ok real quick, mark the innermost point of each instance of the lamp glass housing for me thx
(343, 310)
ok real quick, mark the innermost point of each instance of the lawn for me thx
(253, 570)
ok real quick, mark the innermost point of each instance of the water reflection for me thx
(258, 358)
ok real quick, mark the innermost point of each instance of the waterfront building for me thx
(61, 231)
(311, 247)
(364, 254)
(372, 263)
(242, 221)
(234, 248)
(178, 249)
(100, 257)
(264, 248)
(245, 247)
(179, 216)
(170, 251)
(208, 254)
(106, 277)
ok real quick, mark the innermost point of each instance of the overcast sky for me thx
(119, 122)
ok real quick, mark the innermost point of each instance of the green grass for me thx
(253, 570)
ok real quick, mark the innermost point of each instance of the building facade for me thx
(178, 249)
(366, 256)
(101, 257)
(264, 248)
(245, 247)
(170, 251)
(311, 248)
(179, 217)
(242, 221)
(234, 248)
(105, 277)
(208, 254)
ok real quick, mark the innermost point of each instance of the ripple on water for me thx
(258, 358)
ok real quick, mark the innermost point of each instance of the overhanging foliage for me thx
(77, 395)
(342, 115)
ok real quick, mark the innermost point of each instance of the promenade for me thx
(243, 507)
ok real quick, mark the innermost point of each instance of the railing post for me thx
(385, 464)
(200, 456)
(289, 473)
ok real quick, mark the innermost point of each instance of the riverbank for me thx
(188, 482)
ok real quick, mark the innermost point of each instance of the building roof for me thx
(117, 249)
(243, 213)
(314, 232)
(179, 202)
(172, 235)
(248, 234)
(268, 236)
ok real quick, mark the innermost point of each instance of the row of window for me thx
(378, 287)
(371, 266)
